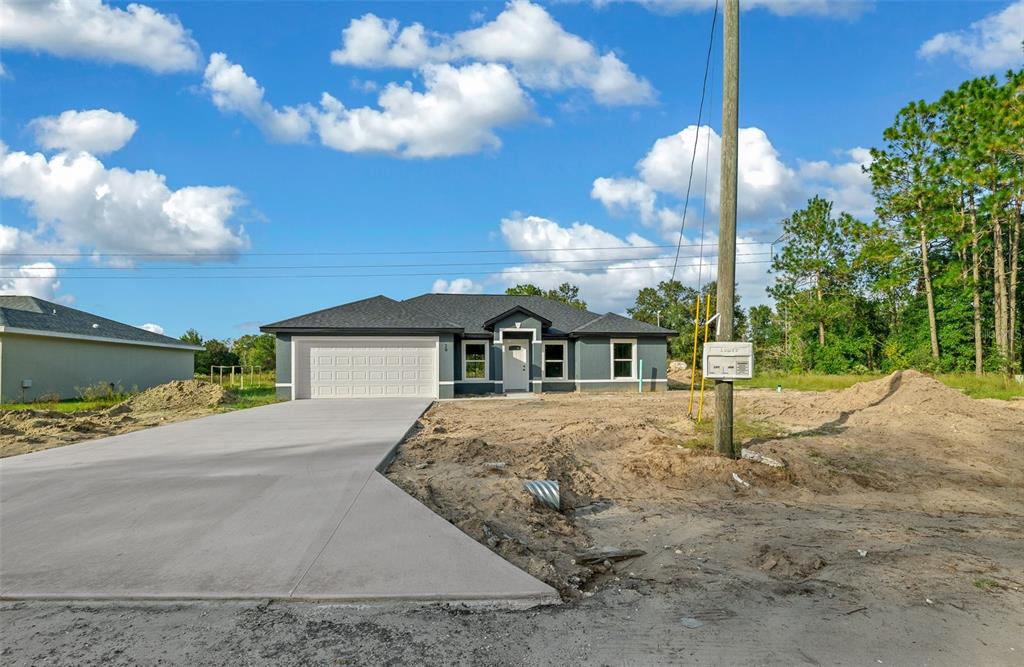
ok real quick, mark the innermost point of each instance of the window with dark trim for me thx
(622, 360)
(475, 363)
(554, 360)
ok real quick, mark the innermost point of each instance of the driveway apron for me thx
(280, 502)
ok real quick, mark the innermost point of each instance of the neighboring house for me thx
(441, 345)
(47, 348)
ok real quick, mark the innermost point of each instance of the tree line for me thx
(247, 350)
(932, 282)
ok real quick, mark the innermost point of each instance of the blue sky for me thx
(202, 129)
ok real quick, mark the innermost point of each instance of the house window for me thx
(554, 361)
(474, 361)
(623, 358)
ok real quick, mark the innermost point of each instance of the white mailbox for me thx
(728, 361)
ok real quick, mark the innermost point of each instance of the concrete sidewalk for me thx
(279, 502)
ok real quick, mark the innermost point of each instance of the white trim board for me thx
(184, 347)
(487, 360)
(544, 358)
(629, 380)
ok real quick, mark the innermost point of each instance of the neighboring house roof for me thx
(376, 313)
(467, 314)
(33, 316)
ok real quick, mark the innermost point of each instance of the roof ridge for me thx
(406, 303)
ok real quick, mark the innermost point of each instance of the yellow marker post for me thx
(707, 325)
(693, 364)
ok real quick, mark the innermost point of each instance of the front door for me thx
(515, 368)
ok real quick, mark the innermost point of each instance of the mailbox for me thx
(728, 361)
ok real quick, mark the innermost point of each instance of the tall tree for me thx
(903, 178)
(567, 293)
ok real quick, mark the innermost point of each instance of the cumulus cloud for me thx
(38, 279)
(768, 187)
(539, 51)
(154, 328)
(232, 90)
(136, 35)
(456, 286)
(610, 279)
(844, 183)
(455, 114)
(82, 203)
(95, 131)
(993, 43)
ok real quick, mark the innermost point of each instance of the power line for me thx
(228, 253)
(61, 276)
(442, 265)
(696, 140)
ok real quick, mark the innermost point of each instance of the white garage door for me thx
(368, 368)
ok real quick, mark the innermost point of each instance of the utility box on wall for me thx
(728, 361)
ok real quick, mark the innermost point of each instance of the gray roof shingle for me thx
(38, 315)
(610, 323)
(378, 312)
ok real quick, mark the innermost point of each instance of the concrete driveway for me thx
(281, 501)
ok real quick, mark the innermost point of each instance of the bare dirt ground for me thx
(23, 431)
(892, 535)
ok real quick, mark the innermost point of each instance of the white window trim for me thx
(487, 359)
(544, 359)
(611, 356)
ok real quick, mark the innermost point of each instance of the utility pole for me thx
(727, 220)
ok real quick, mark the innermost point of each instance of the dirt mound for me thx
(177, 396)
(29, 430)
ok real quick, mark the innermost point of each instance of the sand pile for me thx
(179, 395)
(30, 430)
(904, 441)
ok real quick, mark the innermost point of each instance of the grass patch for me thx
(987, 584)
(989, 385)
(806, 381)
(251, 397)
(71, 404)
(743, 431)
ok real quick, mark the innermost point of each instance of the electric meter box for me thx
(728, 361)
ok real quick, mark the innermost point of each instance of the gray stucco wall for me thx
(283, 351)
(62, 364)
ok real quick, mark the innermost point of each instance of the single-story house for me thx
(47, 348)
(443, 345)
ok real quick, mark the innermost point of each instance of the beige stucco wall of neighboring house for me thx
(62, 364)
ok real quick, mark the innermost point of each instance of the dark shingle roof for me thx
(468, 314)
(610, 323)
(471, 311)
(37, 315)
(377, 312)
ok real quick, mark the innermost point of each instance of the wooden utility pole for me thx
(727, 219)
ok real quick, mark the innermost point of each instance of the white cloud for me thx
(612, 281)
(80, 202)
(455, 114)
(621, 195)
(993, 43)
(232, 90)
(768, 188)
(137, 35)
(95, 131)
(154, 328)
(843, 183)
(540, 52)
(844, 9)
(38, 280)
(456, 286)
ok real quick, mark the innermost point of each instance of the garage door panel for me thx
(354, 369)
